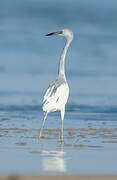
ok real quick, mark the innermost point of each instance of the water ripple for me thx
(69, 108)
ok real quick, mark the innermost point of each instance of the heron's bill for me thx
(54, 33)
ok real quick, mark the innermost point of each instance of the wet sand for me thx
(39, 177)
(74, 137)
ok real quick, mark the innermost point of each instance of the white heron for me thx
(56, 95)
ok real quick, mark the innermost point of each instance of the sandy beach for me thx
(39, 177)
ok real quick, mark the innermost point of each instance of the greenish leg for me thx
(43, 124)
(62, 125)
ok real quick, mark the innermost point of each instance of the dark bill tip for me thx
(54, 33)
(50, 34)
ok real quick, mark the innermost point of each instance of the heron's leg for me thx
(62, 124)
(43, 124)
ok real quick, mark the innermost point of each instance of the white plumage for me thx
(56, 95)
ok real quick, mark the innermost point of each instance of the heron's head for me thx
(64, 32)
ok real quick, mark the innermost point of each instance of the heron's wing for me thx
(56, 96)
(48, 92)
(52, 89)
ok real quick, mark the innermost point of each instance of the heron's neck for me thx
(62, 59)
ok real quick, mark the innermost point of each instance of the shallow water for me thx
(28, 62)
(89, 147)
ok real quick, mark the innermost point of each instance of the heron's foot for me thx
(62, 139)
(39, 137)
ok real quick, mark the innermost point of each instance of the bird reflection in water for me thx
(54, 161)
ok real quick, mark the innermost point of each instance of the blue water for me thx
(29, 61)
